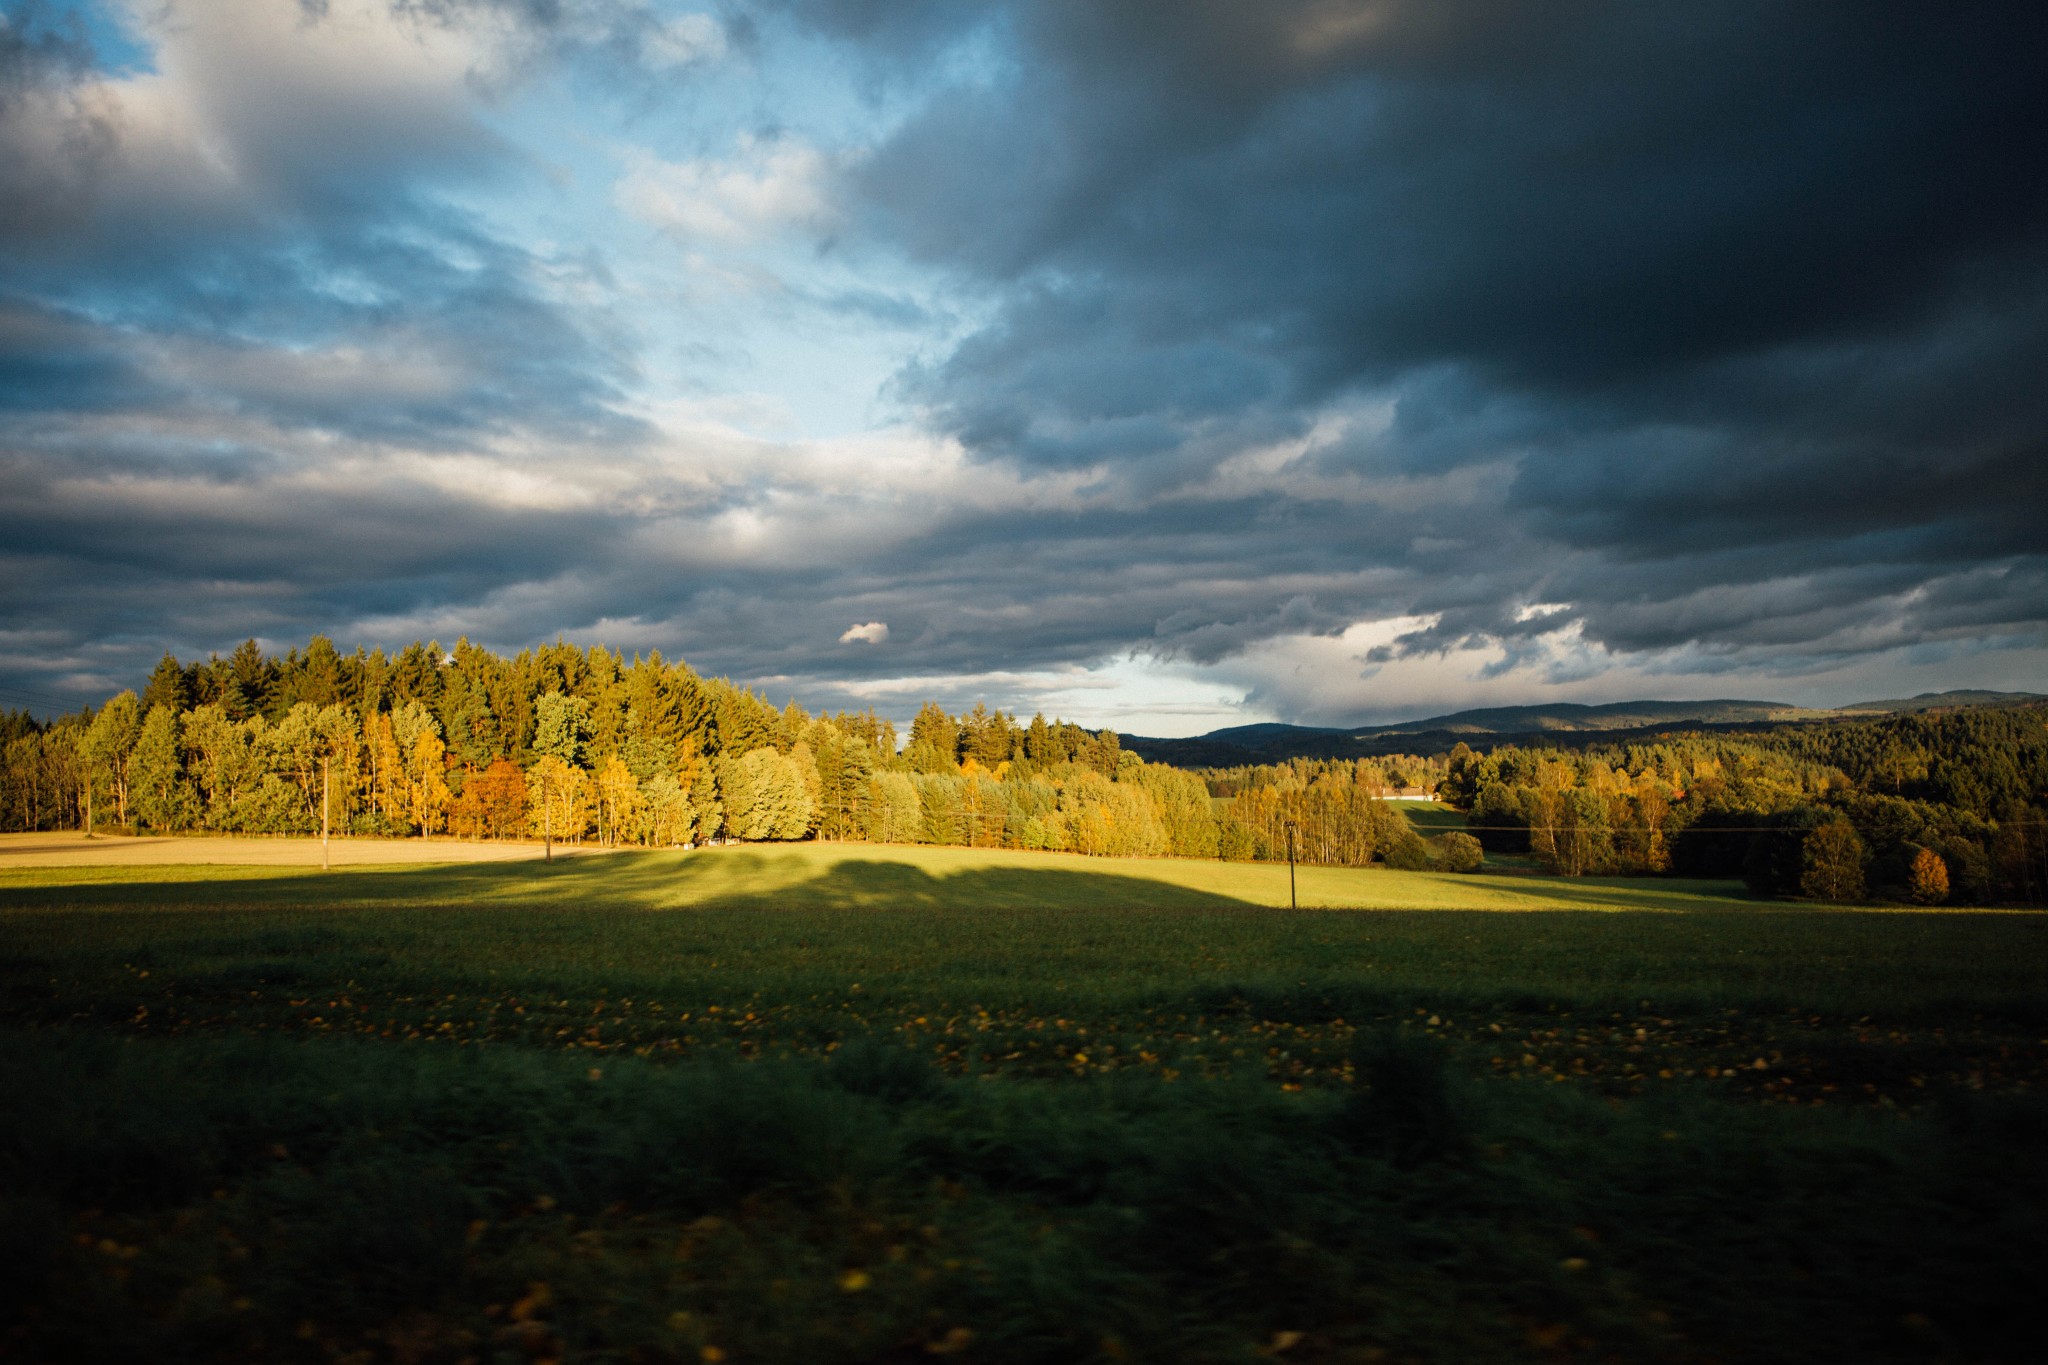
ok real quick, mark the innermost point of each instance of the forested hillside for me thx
(1930, 807)
(569, 743)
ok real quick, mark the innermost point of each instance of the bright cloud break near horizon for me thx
(1162, 366)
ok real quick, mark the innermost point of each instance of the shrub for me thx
(1459, 852)
(1408, 853)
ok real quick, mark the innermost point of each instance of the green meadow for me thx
(845, 1103)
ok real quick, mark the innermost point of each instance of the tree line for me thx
(569, 743)
(1931, 808)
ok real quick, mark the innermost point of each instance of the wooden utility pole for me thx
(1292, 904)
(325, 786)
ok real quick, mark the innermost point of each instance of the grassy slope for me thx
(1010, 1107)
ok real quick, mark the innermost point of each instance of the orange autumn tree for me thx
(1927, 879)
(492, 804)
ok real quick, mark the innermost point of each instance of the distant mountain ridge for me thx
(1930, 701)
(1268, 741)
(1573, 717)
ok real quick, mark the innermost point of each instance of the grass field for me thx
(852, 875)
(854, 1103)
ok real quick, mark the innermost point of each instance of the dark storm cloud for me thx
(1747, 294)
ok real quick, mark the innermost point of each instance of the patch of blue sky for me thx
(802, 329)
(106, 28)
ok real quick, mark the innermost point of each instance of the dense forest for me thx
(574, 744)
(1940, 806)
(568, 743)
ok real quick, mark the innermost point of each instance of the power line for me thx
(32, 698)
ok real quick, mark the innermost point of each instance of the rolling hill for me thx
(1269, 742)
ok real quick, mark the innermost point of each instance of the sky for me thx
(1158, 365)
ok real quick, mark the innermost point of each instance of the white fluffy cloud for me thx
(872, 633)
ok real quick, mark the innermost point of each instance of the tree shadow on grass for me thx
(732, 880)
(762, 881)
(880, 884)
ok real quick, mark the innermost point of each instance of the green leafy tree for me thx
(156, 772)
(557, 799)
(1832, 863)
(217, 761)
(1182, 802)
(669, 819)
(803, 766)
(765, 797)
(105, 751)
(898, 816)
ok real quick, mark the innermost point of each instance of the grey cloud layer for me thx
(1724, 327)
(1749, 294)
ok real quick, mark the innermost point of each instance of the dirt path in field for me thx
(69, 848)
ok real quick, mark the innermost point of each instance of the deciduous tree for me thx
(106, 748)
(156, 772)
(1833, 862)
(1927, 879)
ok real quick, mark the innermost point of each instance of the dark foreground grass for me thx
(318, 1200)
(429, 1116)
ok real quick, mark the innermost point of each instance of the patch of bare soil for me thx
(69, 848)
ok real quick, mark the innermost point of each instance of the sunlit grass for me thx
(813, 875)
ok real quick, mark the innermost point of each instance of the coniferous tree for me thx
(416, 676)
(561, 728)
(168, 687)
(934, 741)
(250, 682)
